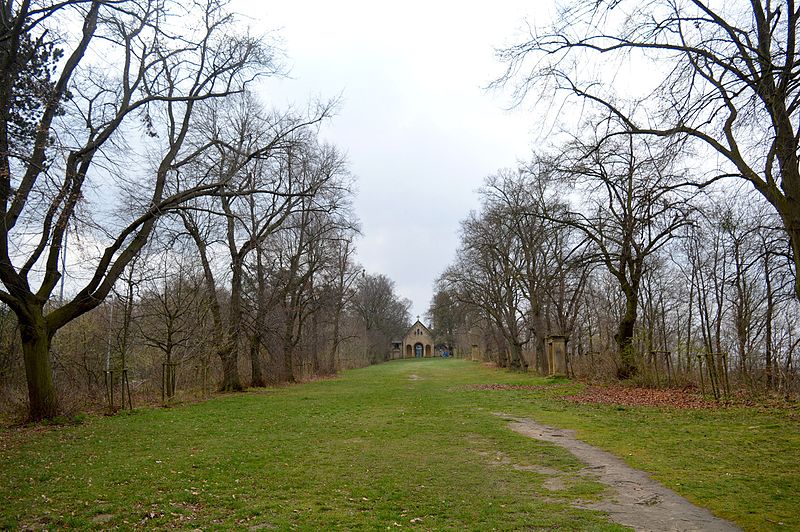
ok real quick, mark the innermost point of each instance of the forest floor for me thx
(407, 444)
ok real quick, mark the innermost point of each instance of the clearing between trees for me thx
(411, 443)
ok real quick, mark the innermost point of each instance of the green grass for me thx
(376, 449)
(741, 463)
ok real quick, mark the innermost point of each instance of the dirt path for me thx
(638, 501)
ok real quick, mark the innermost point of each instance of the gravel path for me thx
(637, 501)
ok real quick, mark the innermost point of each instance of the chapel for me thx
(418, 341)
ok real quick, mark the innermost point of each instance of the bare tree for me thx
(548, 265)
(632, 208)
(447, 314)
(304, 250)
(68, 126)
(171, 312)
(383, 313)
(487, 277)
(272, 165)
(345, 274)
(730, 81)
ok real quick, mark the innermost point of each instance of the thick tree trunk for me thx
(517, 361)
(624, 339)
(502, 357)
(542, 364)
(257, 379)
(230, 368)
(791, 222)
(35, 337)
(539, 334)
(229, 353)
(288, 362)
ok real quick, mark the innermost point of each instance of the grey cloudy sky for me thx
(418, 128)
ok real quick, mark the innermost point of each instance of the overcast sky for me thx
(418, 127)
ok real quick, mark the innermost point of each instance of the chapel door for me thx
(418, 350)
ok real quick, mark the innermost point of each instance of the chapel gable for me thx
(418, 341)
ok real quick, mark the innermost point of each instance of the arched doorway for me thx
(408, 351)
(418, 350)
(427, 350)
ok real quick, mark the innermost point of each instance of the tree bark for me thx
(539, 334)
(288, 361)
(334, 352)
(257, 379)
(770, 311)
(226, 337)
(232, 381)
(230, 369)
(517, 361)
(791, 222)
(35, 336)
(624, 338)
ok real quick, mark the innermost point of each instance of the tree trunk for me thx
(624, 339)
(791, 222)
(288, 362)
(539, 334)
(542, 363)
(315, 343)
(517, 359)
(257, 379)
(35, 337)
(230, 368)
(334, 359)
(689, 325)
(289, 342)
(229, 353)
(770, 311)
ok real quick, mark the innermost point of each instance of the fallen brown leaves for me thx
(624, 396)
(500, 387)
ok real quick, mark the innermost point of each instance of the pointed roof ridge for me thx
(427, 329)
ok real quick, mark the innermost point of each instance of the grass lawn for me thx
(402, 444)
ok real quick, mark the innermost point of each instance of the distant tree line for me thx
(161, 228)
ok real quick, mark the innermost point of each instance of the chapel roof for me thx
(418, 324)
